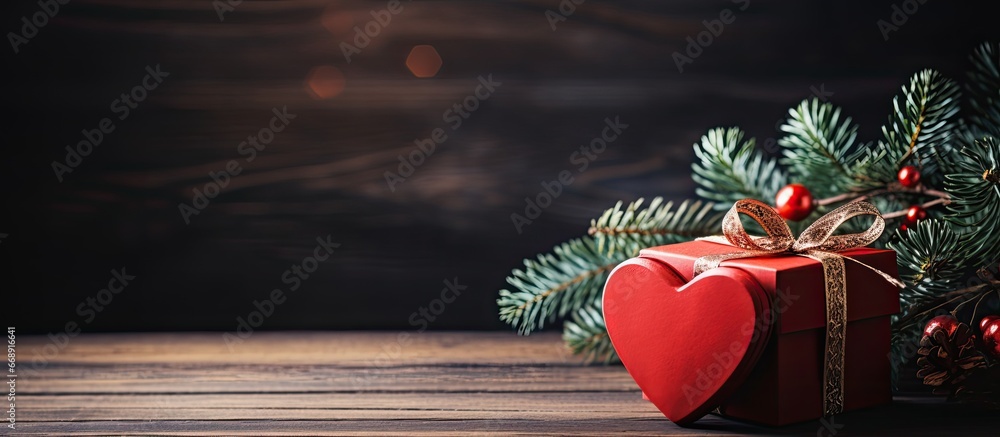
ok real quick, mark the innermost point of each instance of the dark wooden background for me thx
(324, 174)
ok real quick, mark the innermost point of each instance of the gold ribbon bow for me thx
(816, 242)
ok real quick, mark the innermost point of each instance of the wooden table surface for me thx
(310, 383)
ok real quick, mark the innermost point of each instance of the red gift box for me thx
(786, 385)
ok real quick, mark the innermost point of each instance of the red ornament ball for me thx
(986, 320)
(991, 337)
(947, 322)
(794, 202)
(913, 214)
(909, 176)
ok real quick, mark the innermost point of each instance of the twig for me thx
(916, 311)
(941, 197)
(925, 205)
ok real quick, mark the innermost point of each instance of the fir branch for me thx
(819, 147)
(923, 122)
(876, 166)
(921, 130)
(974, 187)
(983, 89)
(554, 284)
(635, 228)
(587, 335)
(821, 152)
(729, 169)
(931, 258)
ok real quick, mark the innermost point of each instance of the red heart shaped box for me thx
(785, 385)
(688, 345)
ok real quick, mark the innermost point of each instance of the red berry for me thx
(986, 320)
(909, 176)
(794, 202)
(914, 214)
(947, 322)
(991, 338)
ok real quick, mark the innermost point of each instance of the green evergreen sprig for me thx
(975, 190)
(922, 123)
(552, 285)
(819, 145)
(931, 259)
(627, 230)
(983, 89)
(586, 335)
(960, 156)
(728, 169)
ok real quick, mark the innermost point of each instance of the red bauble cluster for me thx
(989, 326)
(794, 202)
(914, 214)
(909, 176)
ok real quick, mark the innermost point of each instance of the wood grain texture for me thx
(358, 383)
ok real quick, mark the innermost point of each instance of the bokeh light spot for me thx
(423, 61)
(336, 20)
(325, 82)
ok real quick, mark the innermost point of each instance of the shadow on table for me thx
(906, 416)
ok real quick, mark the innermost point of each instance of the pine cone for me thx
(946, 361)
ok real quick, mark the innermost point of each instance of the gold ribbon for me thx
(816, 242)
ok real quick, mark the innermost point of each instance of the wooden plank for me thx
(910, 417)
(305, 347)
(78, 414)
(500, 402)
(323, 379)
(361, 427)
(299, 383)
